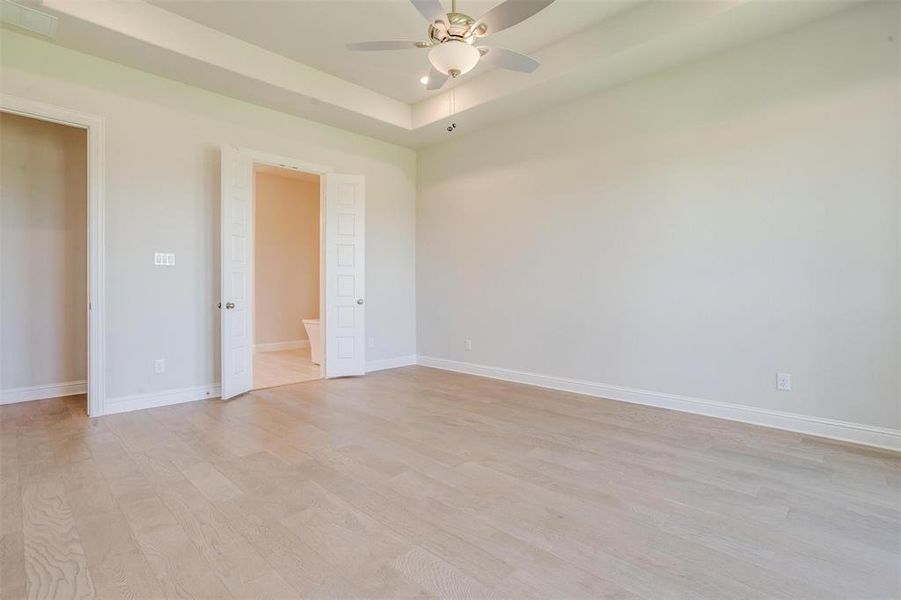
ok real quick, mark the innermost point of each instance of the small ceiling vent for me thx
(24, 17)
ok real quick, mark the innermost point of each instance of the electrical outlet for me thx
(159, 365)
(467, 344)
(784, 382)
(371, 342)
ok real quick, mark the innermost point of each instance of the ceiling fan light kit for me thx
(452, 39)
(454, 57)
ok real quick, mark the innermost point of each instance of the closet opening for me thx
(44, 309)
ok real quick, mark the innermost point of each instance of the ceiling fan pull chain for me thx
(452, 104)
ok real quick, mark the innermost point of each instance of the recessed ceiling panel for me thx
(315, 33)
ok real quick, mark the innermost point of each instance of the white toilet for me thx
(312, 327)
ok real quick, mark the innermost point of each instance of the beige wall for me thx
(43, 242)
(162, 195)
(286, 257)
(693, 233)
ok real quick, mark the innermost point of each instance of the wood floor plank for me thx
(295, 560)
(417, 483)
(412, 518)
(269, 585)
(55, 563)
(438, 577)
(211, 482)
(231, 556)
(12, 565)
(118, 567)
(178, 567)
(10, 506)
(10, 493)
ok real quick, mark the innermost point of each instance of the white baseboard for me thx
(390, 363)
(867, 435)
(42, 392)
(276, 346)
(123, 404)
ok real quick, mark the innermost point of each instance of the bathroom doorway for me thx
(286, 276)
(342, 274)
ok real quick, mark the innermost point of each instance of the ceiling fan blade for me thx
(508, 59)
(509, 13)
(436, 79)
(392, 45)
(431, 10)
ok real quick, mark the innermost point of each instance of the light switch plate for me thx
(164, 259)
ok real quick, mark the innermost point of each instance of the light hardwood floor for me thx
(419, 483)
(282, 367)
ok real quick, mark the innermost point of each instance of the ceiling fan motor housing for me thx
(458, 27)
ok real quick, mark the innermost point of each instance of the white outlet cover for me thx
(467, 344)
(784, 382)
(159, 365)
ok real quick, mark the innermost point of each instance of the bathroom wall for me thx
(43, 244)
(286, 261)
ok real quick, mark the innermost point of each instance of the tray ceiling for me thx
(290, 55)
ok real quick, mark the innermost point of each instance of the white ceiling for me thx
(315, 33)
(289, 55)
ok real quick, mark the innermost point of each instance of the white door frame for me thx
(94, 126)
(264, 158)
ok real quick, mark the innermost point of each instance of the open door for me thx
(344, 273)
(236, 312)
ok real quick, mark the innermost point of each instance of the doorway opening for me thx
(44, 267)
(342, 272)
(286, 276)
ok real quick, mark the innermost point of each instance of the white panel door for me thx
(236, 312)
(345, 311)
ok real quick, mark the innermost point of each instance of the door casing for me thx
(94, 126)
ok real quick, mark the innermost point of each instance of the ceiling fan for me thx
(453, 39)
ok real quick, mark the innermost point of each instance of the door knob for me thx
(359, 301)
(229, 305)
